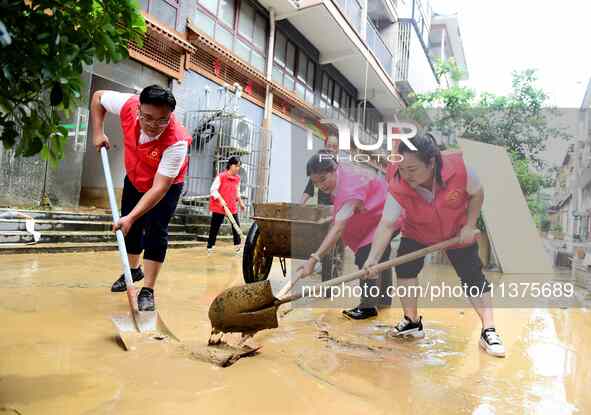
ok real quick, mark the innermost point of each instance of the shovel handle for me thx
(290, 284)
(380, 267)
(232, 221)
(118, 233)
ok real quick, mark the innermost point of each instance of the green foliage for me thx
(40, 80)
(517, 121)
(531, 182)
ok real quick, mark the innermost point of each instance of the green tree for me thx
(518, 121)
(42, 58)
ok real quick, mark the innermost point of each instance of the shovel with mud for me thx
(250, 308)
(136, 326)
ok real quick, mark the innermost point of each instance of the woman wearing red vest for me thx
(225, 190)
(440, 198)
(155, 147)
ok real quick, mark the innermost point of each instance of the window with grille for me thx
(293, 68)
(165, 11)
(236, 25)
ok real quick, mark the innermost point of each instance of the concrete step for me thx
(224, 238)
(42, 248)
(92, 216)
(15, 237)
(43, 225)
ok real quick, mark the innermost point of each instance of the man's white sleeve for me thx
(172, 159)
(113, 101)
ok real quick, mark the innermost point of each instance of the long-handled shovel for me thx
(253, 307)
(233, 221)
(132, 325)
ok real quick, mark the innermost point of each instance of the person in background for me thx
(225, 191)
(324, 198)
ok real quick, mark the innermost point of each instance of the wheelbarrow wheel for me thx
(255, 264)
(333, 262)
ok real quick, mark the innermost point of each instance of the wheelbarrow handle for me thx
(379, 267)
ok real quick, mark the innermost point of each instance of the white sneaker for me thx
(318, 268)
(491, 342)
(238, 250)
(210, 251)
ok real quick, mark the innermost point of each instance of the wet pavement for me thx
(60, 354)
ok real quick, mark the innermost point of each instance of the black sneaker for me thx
(145, 300)
(408, 328)
(360, 313)
(119, 286)
(491, 342)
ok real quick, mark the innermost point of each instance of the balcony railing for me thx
(414, 70)
(378, 47)
(351, 9)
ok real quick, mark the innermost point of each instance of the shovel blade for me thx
(244, 309)
(150, 322)
(147, 326)
(127, 329)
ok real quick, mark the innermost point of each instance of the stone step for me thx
(42, 225)
(15, 237)
(225, 238)
(91, 216)
(42, 248)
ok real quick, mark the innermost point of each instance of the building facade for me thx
(296, 62)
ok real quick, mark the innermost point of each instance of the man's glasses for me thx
(162, 122)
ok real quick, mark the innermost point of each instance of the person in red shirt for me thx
(155, 150)
(439, 198)
(225, 190)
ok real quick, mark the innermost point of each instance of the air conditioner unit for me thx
(243, 131)
(238, 133)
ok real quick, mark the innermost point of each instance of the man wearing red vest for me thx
(225, 190)
(155, 149)
(439, 198)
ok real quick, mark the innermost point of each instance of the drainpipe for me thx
(363, 27)
(265, 137)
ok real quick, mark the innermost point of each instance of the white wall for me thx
(289, 156)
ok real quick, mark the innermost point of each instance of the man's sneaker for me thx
(119, 286)
(358, 313)
(491, 342)
(237, 250)
(408, 328)
(145, 299)
(210, 251)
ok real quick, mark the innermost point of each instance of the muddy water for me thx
(59, 353)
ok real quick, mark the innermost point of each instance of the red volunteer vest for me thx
(141, 160)
(228, 191)
(443, 218)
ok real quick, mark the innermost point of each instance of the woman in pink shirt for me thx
(358, 200)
